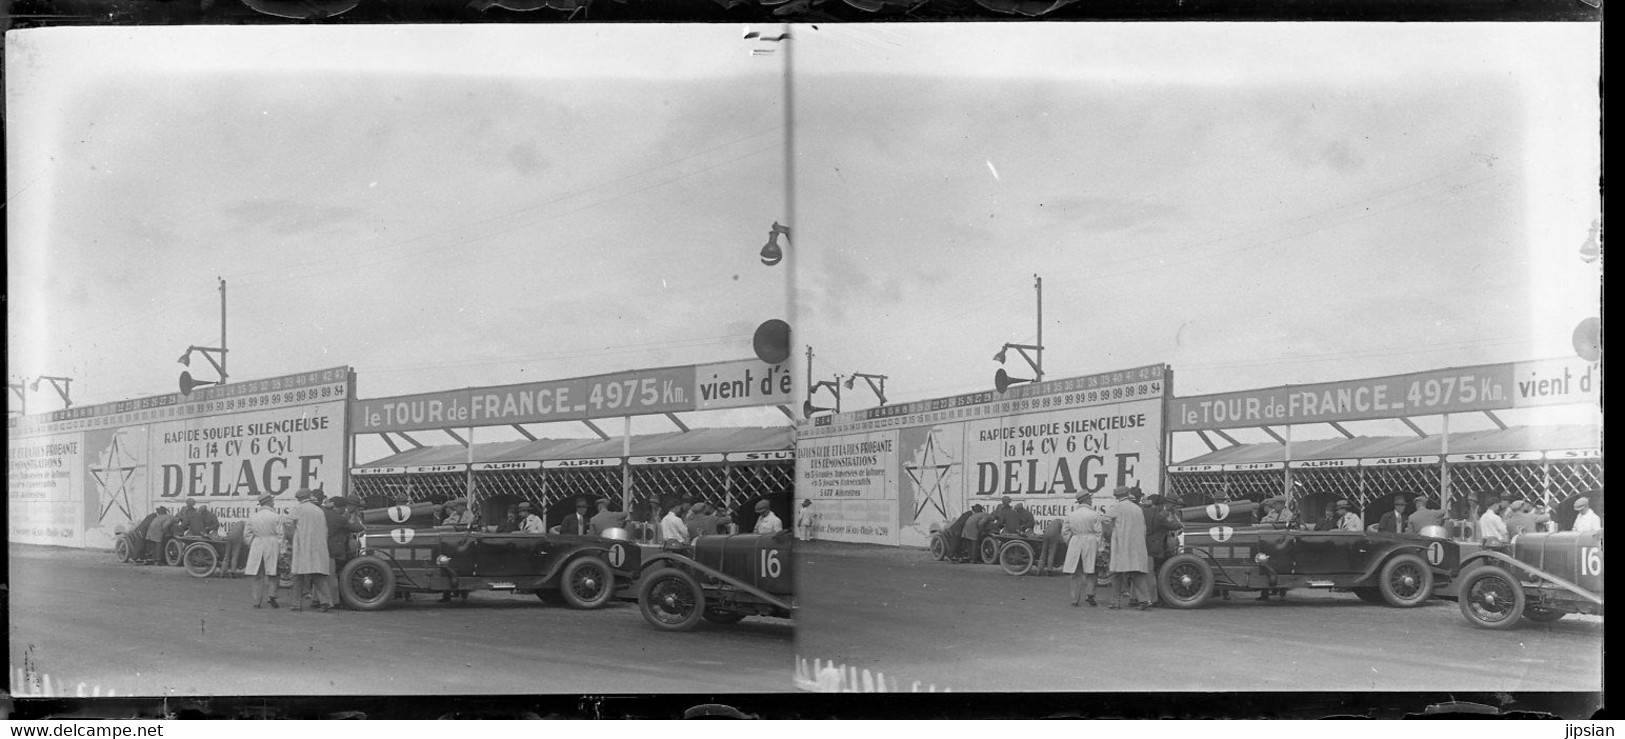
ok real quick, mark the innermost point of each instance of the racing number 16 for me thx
(769, 560)
(1590, 561)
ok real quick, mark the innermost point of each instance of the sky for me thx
(442, 207)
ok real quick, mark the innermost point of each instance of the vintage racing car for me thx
(1543, 578)
(720, 579)
(583, 570)
(1400, 569)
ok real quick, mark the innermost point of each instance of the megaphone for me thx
(772, 341)
(808, 409)
(187, 383)
(1002, 380)
(1588, 339)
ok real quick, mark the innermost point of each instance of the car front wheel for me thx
(988, 550)
(1491, 598)
(174, 550)
(367, 583)
(587, 582)
(121, 549)
(1016, 558)
(1406, 581)
(200, 560)
(1186, 581)
(671, 599)
(939, 547)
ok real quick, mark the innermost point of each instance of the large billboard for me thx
(735, 384)
(79, 477)
(1486, 387)
(889, 475)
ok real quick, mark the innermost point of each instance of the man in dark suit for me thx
(578, 523)
(1394, 521)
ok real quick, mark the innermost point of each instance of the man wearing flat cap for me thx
(1425, 514)
(1130, 562)
(1585, 518)
(766, 521)
(341, 523)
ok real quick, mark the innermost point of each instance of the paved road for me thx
(80, 616)
(973, 628)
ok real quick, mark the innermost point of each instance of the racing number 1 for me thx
(770, 563)
(617, 555)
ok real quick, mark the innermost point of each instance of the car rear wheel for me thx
(200, 560)
(121, 549)
(988, 550)
(1370, 595)
(722, 618)
(587, 582)
(1016, 558)
(1406, 581)
(1491, 598)
(1186, 581)
(939, 547)
(1543, 615)
(367, 583)
(671, 599)
(174, 551)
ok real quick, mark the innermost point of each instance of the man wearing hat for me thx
(606, 519)
(1162, 525)
(975, 529)
(263, 533)
(766, 521)
(311, 563)
(157, 533)
(804, 520)
(1347, 519)
(1585, 518)
(1005, 518)
(1130, 562)
(529, 522)
(1395, 521)
(342, 521)
(1425, 515)
(577, 523)
(1082, 530)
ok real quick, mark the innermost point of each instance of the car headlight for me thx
(1261, 558)
(442, 560)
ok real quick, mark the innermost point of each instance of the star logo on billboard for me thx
(114, 481)
(929, 471)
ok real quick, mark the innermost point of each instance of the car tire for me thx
(1369, 595)
(121, 549)
(1016, 558)
(174, 551)
(722, 618)
(988, 551)
(367, 583)
(671, 600)
(1491, 598)
(1406, 581)
(587, 582)
(1543, 615)
(200, 560)
(1185, 581)
(939, 547)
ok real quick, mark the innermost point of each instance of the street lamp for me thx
(879, 389)
(208, 352)
(1001, 379)
(60, 384)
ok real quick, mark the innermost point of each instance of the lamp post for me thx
(208, 352)
(60, 384)
(807, 407)
(1001, 379)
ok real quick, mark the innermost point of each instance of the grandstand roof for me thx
(1512, 439)
(693, 441)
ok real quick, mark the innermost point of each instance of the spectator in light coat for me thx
(1130, 562)
(311, 562)
(767, 522)
(263, 532)
(1082, 529)
(529, 522)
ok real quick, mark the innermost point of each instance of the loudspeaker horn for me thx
(187, 383)
(1002, 380)
(808, 409)
(1588, 339)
